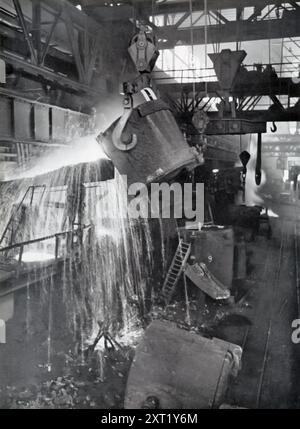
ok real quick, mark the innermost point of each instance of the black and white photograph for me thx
(149, 207)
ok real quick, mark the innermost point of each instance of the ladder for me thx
(176, 268)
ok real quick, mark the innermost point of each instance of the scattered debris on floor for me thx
(99, 383)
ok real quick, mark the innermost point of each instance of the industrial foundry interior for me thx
(149, 196)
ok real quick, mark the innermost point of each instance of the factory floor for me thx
(260, 320)
(270, 364)
(261, 323)
(72, 380)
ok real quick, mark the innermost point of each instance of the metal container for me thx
(215, 248)
(180, 369)
(147, 145)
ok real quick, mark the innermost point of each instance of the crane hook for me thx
(126, 143)
(273, 128)
(258, 161)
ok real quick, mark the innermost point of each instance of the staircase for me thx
(177, 266)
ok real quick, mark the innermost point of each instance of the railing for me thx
(30, 191)
(68, 235)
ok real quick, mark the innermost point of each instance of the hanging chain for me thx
(192, 51)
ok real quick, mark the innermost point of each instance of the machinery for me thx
(228, 119)
(227, 64)
(174, 280)
(144, 53)
(146, 144)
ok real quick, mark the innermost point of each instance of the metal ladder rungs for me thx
(176, 268)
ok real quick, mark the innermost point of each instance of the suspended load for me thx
(145, 143)
(150, 147)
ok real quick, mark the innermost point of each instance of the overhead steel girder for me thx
(111, 14)
(89, 31)
(180, 5)
(55, 60)
(281, 149)
(283, 86)
(30, 38)
(144, 8)
(11, 33)
(286, 115)
(283, 139)
(233, 31)
(280, 154)
(25, 30)
(79, 19)
(48, 75)
(62, 9)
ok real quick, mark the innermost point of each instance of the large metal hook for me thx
(244, 157)
(273, 128)
(118, 142)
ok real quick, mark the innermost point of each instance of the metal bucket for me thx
(147, 145)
